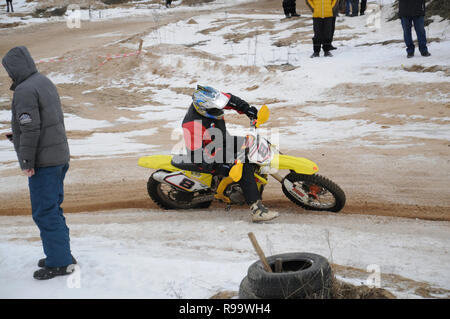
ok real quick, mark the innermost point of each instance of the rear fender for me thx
(158, 162)
(164, 162)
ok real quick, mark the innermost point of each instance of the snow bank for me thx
(155, 254)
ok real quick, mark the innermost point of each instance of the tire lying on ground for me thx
(304, 275)
(245, 291)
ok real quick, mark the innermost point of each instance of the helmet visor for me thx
(221, 101)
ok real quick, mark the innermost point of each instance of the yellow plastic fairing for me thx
(236, 171)
(158, 162)
(300, 165)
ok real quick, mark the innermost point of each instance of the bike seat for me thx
(184, 162)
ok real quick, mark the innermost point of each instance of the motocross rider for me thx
(204, 124)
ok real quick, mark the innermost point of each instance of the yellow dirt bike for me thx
(179, 185)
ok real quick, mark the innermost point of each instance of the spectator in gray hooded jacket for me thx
(40, 141)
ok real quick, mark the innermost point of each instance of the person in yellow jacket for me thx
(323, 13)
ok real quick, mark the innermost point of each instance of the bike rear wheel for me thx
(169, 197)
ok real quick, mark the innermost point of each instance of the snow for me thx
(124, 254)
(309, 82)
(76, 123)
(139, 10)
(108, 34)
(110, 143)
(59, 78)
(5, 116)
(419, 130)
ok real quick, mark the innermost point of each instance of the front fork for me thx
(278, 177)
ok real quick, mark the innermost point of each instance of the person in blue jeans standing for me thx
(353, 4)
(40, 141)
(413, 12)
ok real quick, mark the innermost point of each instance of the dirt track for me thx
(411, 182)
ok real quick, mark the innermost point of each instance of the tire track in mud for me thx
(102, 197)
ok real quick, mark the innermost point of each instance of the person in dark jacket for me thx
(204, 128)
(289, 7)
(413, 12)
(355, 7)
(363, 7)
(9, 4)
(40, 141)
(351, 5)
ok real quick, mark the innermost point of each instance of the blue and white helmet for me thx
(209, 102)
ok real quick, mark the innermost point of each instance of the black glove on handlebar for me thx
(242, 106)
(252, 112)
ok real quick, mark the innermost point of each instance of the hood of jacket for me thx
(19, 64)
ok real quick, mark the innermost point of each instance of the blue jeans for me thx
(347, 6)
(407, 23)
(47, 194)
(353, 4)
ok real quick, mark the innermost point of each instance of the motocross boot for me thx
(260, 213)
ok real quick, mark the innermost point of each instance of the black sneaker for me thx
(51, 272)
(315, 55)
(328, 54)
(295, 15)
(410, 55)
(333, 48)
(426, 54)
(41, 262)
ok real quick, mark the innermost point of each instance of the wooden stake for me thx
(278, 265)
(259, 252)
(140, 46)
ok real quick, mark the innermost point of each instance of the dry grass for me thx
(433, 7)
(438, 7)
(343, 290)
(10, 25)
(238, 37)
(432, 69)
(293, 39)
(339, 290)
(224, 295)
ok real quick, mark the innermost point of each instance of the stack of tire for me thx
(303, 276)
